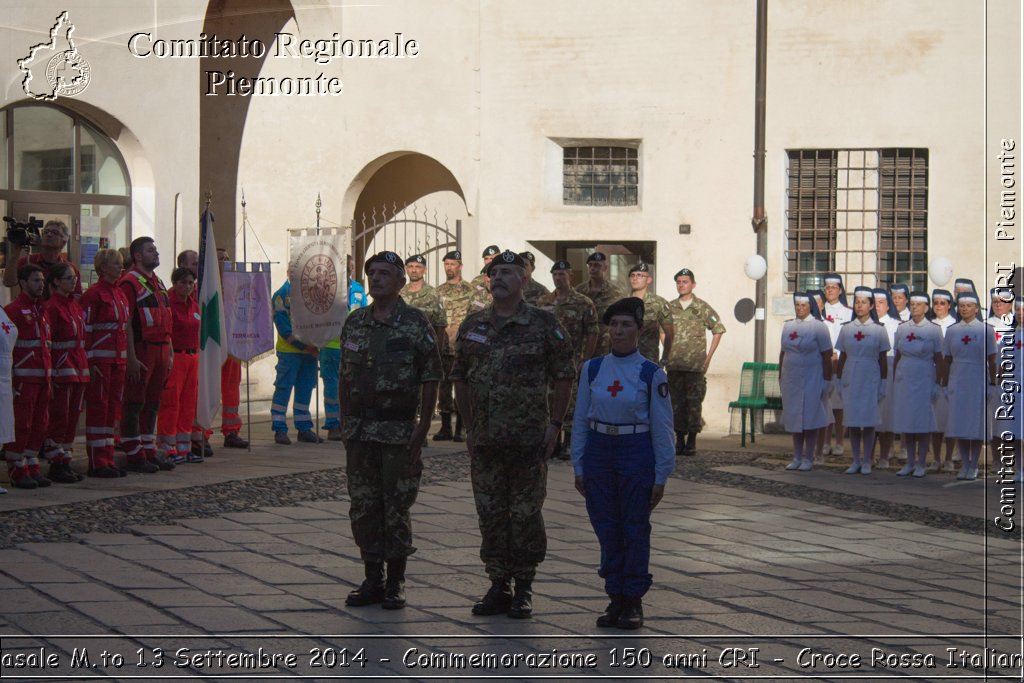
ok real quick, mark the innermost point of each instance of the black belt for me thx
(190, 352)
(383, 414)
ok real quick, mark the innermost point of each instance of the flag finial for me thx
(243, 198)
(209, 196)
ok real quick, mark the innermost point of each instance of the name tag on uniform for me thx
(400, 344)
(478, 338)
(351, 346)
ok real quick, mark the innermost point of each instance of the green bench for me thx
(759, 391)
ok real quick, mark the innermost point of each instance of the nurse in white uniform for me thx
(970, 368)
(885, 309)
(8, 336)
(943, 314)
(916, 371)
(835, 313)
(805, 363)
(863, 344)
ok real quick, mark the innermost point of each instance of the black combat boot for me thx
(691, 444)
(611, 612)
(61, 474)
(522, 600)
(680, 442)
(372, 589)
(457, 436)
(394, 588)
(445, 434)
(632, 616)
(497, 600)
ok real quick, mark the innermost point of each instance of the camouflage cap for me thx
(416, 258)
(492, 250)
(506, 258)
(388, 257)
(561, 265)
(453, 256)
(631, 306)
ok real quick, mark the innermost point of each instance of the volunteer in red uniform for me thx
(149, 357)
(106, 318)
(70, 371)
(178, 440)
(31, 370)
(230, 383)
(53, 239)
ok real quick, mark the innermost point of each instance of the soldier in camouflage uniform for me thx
(390, 351)
(505, 357)
(602, 293)
(657, 318)
(578, 316)
(479, 282)
(533, 290)
(455, 295)
(690, 358)
(481, 298)
(418, 294)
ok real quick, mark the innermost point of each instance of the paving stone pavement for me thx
(746, 585)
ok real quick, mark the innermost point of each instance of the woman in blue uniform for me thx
(916, 370)
(942, 314)
(623, 449)
(884, 434)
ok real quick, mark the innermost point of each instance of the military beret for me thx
(597, 256)
(492, 250)
(561, 265)
(417, 258)
(453, 256)
(631, 306)
(388, 257)
(506, 258)
(528, 255)
(640, 268)
(685, 271)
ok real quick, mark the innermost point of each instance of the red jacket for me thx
(185, 318)
(149, 304)
(106, 318)
(31, 357)
(67, 339)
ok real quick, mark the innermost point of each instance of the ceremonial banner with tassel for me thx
(211, 329)
(249, 315)
(319, 298)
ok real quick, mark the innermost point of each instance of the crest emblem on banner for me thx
(319, 283)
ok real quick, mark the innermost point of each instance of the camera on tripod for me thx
(20, 234)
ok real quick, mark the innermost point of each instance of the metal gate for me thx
(407, 231)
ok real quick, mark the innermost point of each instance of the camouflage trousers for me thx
(509, 487)
(445, 393)
(382, 488)
(687, 390)
(570, 410)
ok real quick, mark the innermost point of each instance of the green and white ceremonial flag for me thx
(212, 347)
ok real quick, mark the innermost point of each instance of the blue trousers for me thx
(296, 370)
(330, 371)
(618, 472)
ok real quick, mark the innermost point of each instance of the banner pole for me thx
(316, 425)
(248, 396)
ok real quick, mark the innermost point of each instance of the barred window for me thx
(600, 176)
(861, 213)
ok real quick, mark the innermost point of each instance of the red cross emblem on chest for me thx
(615, 388)
(859, 335)
(966, 340)
(999, 336)
(830, 319)
(793, 335)
(7, 328)
(911, 337)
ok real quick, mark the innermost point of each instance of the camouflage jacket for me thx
(507, 370)
(656, 313)
(428, 301)
(576, 314)
(690, 344)
(383, 364)
(602, 298)
(481, 298)
(533, 291)
(455, 299)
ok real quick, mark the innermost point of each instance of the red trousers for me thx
(142, 401)
(230, 380)
(31, 416)
(178, 405)
(103, 396)
(65, 409)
